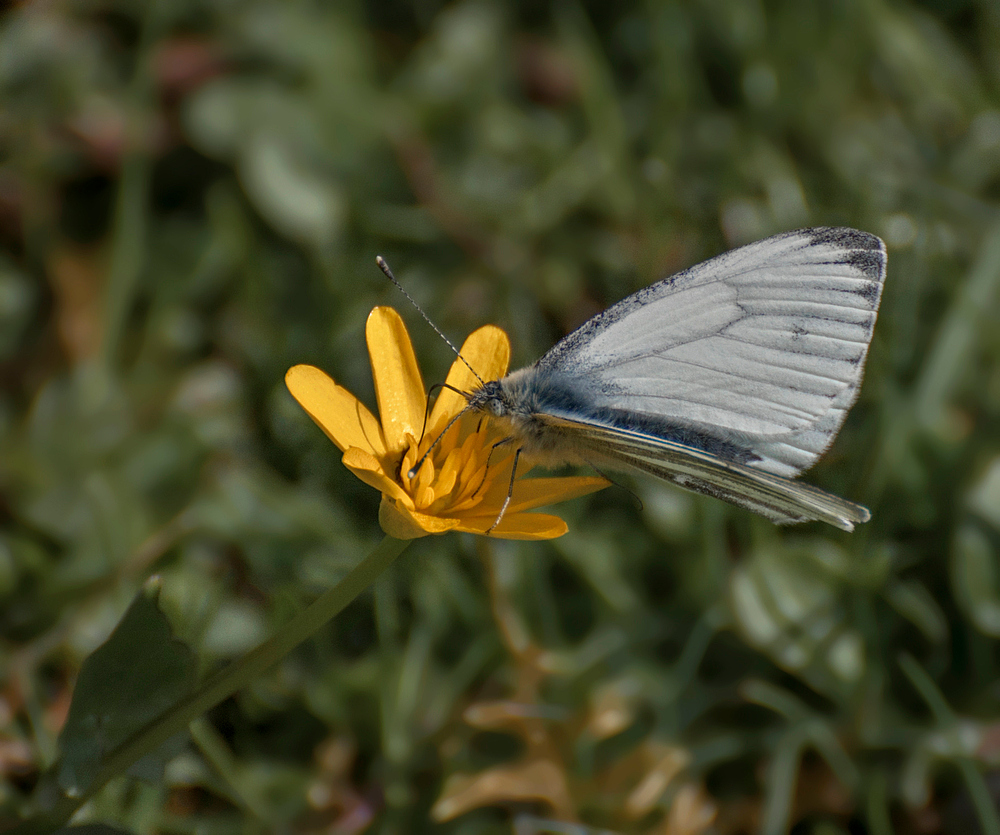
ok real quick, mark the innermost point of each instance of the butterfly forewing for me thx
(762, 347)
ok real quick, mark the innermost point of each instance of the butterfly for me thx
(728, 379)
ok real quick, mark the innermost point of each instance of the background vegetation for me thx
(192, 194)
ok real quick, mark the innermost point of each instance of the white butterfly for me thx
(728, 379)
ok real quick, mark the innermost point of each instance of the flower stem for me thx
(238, 674)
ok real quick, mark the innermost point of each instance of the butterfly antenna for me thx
(382, 265)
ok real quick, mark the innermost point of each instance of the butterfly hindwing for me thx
(775, 497)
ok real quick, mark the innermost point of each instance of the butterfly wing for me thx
(775, 497)
(760, 349)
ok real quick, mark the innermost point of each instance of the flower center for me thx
(455, 476)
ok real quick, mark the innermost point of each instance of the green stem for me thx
(131, 218)
(127, 251)
(231, 679)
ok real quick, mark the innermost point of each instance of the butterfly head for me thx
(492, 398)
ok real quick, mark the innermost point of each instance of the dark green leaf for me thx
(133, 677)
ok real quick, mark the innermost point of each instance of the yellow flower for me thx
(460, 487)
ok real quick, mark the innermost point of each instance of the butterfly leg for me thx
(486, 471)
(510, 488)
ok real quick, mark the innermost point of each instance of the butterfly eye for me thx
(497, 407)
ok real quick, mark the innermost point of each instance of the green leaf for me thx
(132, 678)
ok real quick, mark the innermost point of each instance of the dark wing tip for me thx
(862, 250)
(846, 238)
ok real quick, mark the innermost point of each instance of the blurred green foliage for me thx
(192, 194)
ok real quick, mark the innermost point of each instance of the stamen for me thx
(434, 443)
(489, 458)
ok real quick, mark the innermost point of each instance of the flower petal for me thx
(398, 385)
(487, 350)
(530, 493)
(400, 522)
(516, 526)
(343, 417)
(372, 472)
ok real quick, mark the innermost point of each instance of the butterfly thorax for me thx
(512, 405)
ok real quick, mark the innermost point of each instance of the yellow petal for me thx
(343, 418)
(516, 526)
(400, 522)
(530, 493)
(398, 385)
(487, 350)
(372, 472)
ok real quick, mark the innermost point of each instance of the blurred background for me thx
(192, 194)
